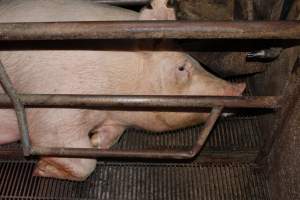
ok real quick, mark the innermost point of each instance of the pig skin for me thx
(95, 72)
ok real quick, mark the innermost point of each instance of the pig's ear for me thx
(159, 11)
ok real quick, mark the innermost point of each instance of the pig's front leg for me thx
(106, 135)
(77, 169)
(62, 129)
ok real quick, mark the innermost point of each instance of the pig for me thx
(134, 72)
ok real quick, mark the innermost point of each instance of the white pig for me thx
(96, 72)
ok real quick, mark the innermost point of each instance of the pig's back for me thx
(61, 10)
(72, 71)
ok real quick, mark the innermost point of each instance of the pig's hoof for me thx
(64, 170)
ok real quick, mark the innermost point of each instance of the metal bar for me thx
(106, 153)
(19, 108)
(150, 29)
(123, 2)
(147, 102)
(214, 115)
(155, 154)
(206, 156)
(286, 8)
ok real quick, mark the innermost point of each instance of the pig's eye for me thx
(183, 73)
(181, 68)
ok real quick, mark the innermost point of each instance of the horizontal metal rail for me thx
(150, 29)
(142, 103)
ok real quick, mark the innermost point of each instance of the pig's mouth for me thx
(236, 89)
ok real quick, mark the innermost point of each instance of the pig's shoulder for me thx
(61, 10)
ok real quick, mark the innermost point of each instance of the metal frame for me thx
(93, 152)
(135, 30)
(141, 103)
(157, 154)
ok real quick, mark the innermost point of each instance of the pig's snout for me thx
(234, 89)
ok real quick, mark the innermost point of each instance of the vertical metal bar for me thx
(213, 117)
(250, 10)
(19, 108)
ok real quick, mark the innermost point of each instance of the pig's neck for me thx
(126, 73)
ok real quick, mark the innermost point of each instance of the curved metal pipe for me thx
(154, 154)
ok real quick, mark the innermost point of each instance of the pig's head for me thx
(176, 73)
(180, 74)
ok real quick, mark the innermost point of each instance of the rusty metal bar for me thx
(155, 154)
(150, 29)
(214, 115)
(19, 109)
(138, 102)
(109, 153)
(123, 2)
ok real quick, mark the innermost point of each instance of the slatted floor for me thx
(132, 181)
(137, 180)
